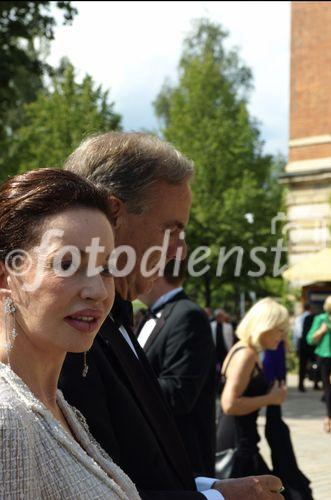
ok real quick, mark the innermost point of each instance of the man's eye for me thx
(107, 271)
(169, 231)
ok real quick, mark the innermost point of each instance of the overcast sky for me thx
(131, 47)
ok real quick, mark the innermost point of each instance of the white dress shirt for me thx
(147, 329)
(298, 327)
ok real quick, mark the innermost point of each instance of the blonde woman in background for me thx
(245, 390)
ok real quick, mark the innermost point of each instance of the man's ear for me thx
(117, 209)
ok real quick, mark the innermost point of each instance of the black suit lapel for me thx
(160, 322)
(147, 392)
(166, 309)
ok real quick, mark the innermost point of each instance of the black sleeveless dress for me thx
(240, 432)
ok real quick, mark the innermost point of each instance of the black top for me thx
(241, 433)
(245, 436)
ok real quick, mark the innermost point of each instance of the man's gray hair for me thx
(219, 311)
(128, 164)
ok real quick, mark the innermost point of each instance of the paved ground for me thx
(304, 413)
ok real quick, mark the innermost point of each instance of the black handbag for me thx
(224, 461)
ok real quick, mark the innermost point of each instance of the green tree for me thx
(24, 28)
(21, 24)
(206, 116)
(55, 123)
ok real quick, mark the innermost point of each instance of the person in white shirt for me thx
(298, 326)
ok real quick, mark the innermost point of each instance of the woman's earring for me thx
(85, 369)
(10, 329)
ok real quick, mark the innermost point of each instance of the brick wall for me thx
(310, 108)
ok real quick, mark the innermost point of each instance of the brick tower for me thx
(308, 172)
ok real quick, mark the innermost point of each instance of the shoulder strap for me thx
(232, 354)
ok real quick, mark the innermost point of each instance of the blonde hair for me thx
(263, 316)
(327, 305)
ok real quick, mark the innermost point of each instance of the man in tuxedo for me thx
(305, 352)
(121, 399)
(177, 340)
(300, 344)
(217, 329)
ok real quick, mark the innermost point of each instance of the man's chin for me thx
(146, 285)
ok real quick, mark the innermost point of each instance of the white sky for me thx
(131, 47)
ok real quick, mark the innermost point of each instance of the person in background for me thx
(245, 390)
(319, 336)
(51, 305)
(228, 331)
(277, 432)
(210, 313)
(222, 335)
(311, 366)
(298, 325)
(178, 345)
(304, 351)
(223, 338)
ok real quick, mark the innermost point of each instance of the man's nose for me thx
(184, 250)
(177, 251)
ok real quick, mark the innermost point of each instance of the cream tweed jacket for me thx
(39, 459)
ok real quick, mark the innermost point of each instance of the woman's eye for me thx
(66, 264)
(62, 265)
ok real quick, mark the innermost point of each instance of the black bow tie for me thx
(122, 312)
(149, 315)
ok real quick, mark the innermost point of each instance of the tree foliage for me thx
(24, 28)
(55, 123)
(21, 23)
(206, 116)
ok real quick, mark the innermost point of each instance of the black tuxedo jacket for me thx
(221, 351)
(182, 354)
(304, 348)
(127, 414)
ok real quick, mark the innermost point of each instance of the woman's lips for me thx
(82, 326)
(86, 320)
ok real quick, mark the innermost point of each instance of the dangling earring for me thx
(10, 331)
(85, 369)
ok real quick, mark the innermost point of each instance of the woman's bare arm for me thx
(238, 375)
